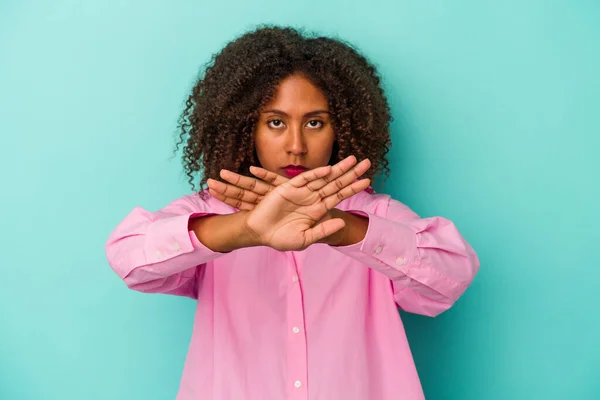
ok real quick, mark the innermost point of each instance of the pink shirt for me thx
(318, 324)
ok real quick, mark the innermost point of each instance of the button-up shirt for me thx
(317, 324)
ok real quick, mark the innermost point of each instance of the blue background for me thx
(497, 108)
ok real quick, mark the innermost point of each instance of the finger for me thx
(337, 170)
(346, 179)
(347, 192)
(341, 167)
(244, 205)
(323, 230)
(237, 203)
(235, 192)
(246, 182)
(268, 176)
(309, 176)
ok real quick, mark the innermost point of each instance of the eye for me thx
(315, 123)
(275, 123)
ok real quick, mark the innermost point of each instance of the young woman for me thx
(298, 267)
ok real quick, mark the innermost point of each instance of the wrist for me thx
(246, 235)
(338, 237)
(223, 233)
(354, 230)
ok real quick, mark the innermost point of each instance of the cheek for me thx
(327, 146)
(258, 145)
(259, 141)
(264, 149)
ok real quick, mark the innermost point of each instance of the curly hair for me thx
(220, 115)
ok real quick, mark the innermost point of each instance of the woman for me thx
(298, 267)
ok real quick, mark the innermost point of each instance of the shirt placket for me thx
(297, 381)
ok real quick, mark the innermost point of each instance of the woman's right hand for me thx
(286, 218)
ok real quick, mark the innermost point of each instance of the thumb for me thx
(323, 230)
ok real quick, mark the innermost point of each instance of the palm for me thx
(288, 213)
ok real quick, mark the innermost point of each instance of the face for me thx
(294, 132)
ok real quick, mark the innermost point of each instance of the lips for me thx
(293, 170)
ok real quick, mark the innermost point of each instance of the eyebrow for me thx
(308, 114)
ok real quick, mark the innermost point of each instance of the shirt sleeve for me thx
(428, 261)
(154, 252)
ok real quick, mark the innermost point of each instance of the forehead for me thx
(297, 92)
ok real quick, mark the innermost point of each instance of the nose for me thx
(295, 142)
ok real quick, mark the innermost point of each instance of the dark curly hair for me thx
(218, 122)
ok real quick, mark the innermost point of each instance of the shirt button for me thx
(297, 384)
(157, 254)
(399, 260)
(295, 278)
(295, 329)
(176, 246)
(378, 249)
